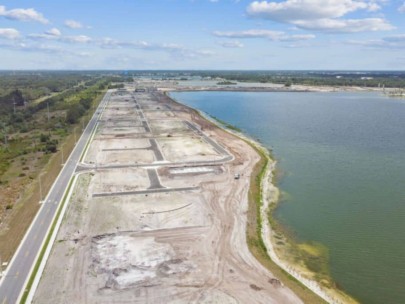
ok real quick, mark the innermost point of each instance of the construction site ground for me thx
(156, 215)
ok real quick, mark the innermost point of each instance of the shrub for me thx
(74, 113)
(44, 138)
(50, 147)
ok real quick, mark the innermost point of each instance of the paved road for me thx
(159, 190)
(156, 150)
(146, 126)
(18, 271)
(154, 179)
(124, 149)
(90, 167)
(118, 120)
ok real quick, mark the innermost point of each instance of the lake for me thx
(342, 158)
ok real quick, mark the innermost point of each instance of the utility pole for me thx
(14, 103)
(61, 149)
(5, 134)
(40, 188)
(47, 105)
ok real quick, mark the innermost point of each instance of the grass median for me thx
(45, 245)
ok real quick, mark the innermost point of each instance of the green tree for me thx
(74, 113)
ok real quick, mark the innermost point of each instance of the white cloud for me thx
(73, 24)
(272, 35)
(302, 37)
(113, 44)
(291, 10)
(9, 33)
(231, 44)
(389, 42)
(395, 38)
(56, 35)
(345, 25)
(173, 49)
(22, 14)
(401, 9)
(203, 53)
(322, 15)
(53, 32)
(43, 48)
(77, 39)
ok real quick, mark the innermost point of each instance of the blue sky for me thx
(203, 34)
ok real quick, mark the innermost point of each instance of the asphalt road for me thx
(156, 150)
(148, 191)
(18, 271)
(154, 179)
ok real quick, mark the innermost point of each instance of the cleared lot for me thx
(187, 148)
(165, 127)
(175, 246)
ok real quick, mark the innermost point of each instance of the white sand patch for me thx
(128, 260)
(191, 170)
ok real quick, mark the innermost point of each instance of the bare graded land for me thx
(165, 225)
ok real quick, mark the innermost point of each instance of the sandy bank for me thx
(279, 88)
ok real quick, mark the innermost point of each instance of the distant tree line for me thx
(363, 79)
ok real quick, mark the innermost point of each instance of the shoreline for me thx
(281, 89)
(269, 197)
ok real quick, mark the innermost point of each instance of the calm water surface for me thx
(343, 159)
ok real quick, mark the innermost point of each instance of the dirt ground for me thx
(164, 232)
(174, 127)
(187, 148)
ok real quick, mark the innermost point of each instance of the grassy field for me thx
(19, 189)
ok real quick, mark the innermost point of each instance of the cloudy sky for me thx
(203, 34)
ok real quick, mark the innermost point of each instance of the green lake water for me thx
(342, 159)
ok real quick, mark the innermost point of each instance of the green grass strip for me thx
(48, 238)
(45, 246)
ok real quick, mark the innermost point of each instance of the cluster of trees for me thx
(75, 102)
(37, 84)
(29, 128)
(13, 98)
(77, 110)
(50, 145)
(331, 78)
(78, 93)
